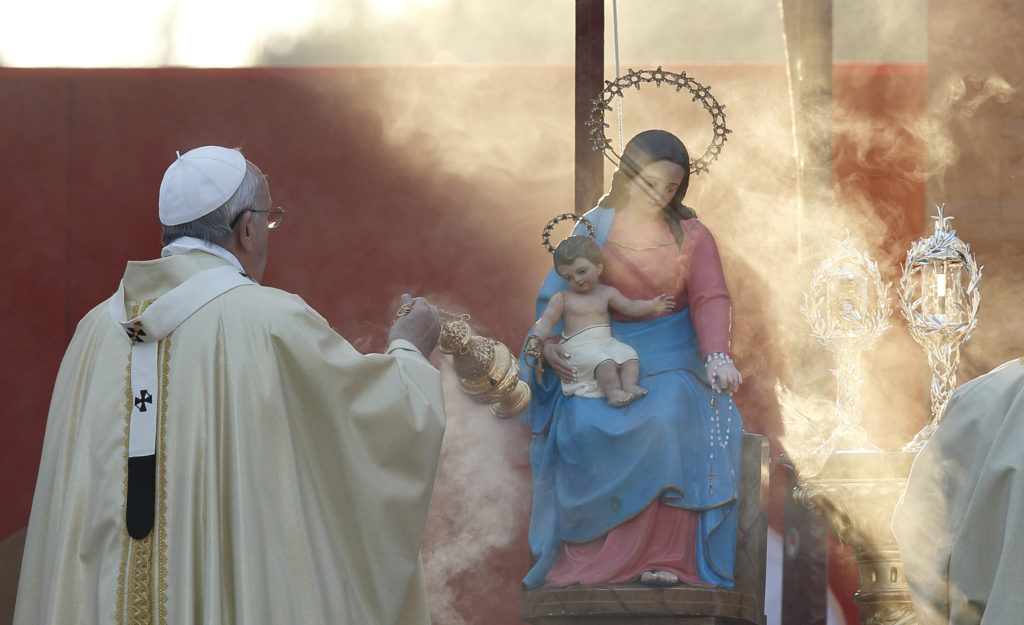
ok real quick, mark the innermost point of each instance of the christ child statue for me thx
(602, 365)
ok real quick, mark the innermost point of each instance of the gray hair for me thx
(215, 226)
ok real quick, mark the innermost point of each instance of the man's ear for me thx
(243, 232)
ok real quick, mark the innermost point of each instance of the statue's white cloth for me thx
(587, 349)
(959, 524)
(293, 473)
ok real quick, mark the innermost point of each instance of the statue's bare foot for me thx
(636, 391)
(659, 577)
(619, 398)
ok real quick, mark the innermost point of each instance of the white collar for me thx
(146, 331)
(188, 244)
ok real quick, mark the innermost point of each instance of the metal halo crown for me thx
(545, 237)
(634, 79)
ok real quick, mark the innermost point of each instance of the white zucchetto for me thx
(199, 182)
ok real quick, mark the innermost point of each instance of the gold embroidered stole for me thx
(142, 578)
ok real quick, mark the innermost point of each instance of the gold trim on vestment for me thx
(125, 539)
(139, 591)
(161, 468)
(140, 595)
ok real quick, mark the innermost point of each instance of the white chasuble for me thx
(291, 474)
(959, 524)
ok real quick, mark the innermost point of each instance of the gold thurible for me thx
(486, 369)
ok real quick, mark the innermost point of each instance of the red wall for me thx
(432, 180)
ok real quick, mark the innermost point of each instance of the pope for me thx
(216, 453)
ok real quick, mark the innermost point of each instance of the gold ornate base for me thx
(883, 597)
(857, 493)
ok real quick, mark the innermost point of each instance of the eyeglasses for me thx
(276, 214)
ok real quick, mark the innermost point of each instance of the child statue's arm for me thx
(640, 307)
(552, 353)
(552, 314)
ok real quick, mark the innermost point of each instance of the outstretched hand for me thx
(664, 303)
(421, 325)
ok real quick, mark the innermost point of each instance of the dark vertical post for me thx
(804, 562)
(808, 29)
(589, 171)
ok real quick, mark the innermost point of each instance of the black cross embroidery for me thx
(136, 333)
(143, 399)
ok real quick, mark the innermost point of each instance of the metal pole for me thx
(589, 72)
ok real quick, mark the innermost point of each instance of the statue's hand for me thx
(664, 303)
(727, 378)
(558, 358)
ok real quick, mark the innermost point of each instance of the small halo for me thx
(545, 237)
